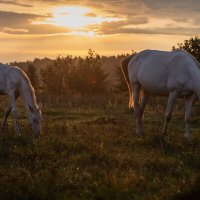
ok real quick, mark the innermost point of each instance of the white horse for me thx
(14, 83)
(173, 74)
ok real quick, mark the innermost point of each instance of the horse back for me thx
(10, 78)
(160, 71)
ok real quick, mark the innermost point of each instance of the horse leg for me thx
(7, 112)
(144, 102)
(14, 111)
(137, 113)
(188, 109)
(170, 104)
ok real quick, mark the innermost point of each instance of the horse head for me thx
(35, 118)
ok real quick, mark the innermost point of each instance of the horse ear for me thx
(40, 106)
(30, 108)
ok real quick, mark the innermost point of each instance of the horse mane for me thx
(28, 83)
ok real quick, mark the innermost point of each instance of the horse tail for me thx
(124, 68)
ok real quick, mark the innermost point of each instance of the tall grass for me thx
(90, 151)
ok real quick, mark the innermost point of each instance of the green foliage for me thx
(33, 76)
(192, 46)
(121, 83)
(78, 75)
(88, 77)
(55, 77)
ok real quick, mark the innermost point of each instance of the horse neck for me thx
(27, 93)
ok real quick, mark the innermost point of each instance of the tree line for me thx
(76, 75)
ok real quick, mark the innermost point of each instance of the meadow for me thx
(90, 151)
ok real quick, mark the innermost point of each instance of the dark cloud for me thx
(181, 20)
(171, 4)
(16, 3)
(12, 19)
(125, 7)
(173, 9)
(155, 30)
(111, 7)
(36, 29)
(196, 21)
(120, 8)
(115, 25)
(183, 15)
(21, 23)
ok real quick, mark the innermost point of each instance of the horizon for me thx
(30, 30)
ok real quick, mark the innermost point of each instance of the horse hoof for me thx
(139, 135)
(187, 141)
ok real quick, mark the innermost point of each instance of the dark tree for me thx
(88, 77)
(192, 46)
(121, 83)
(33, 76)
(55, 77)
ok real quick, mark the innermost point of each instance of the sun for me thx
(75, 17)
(71, 17)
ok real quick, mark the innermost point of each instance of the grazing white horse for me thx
(14, 83)
(173, 74)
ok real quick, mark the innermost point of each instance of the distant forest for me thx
(91, 75)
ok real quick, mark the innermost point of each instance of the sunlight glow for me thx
(75, 17)
(82, 33)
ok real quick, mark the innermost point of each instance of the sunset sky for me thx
(47, 28)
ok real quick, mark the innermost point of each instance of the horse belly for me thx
(154, 87)
(153, 82)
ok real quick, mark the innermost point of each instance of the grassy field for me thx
(91, 152)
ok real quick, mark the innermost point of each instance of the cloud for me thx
(15, 3)
(135, 16)
(114, 26)
(90, 15)
(14, 31)
(173, 9)
(12, 19)
(184, 31)
(133, 7)
(141, 25)
(110, 7)
(22, 23)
